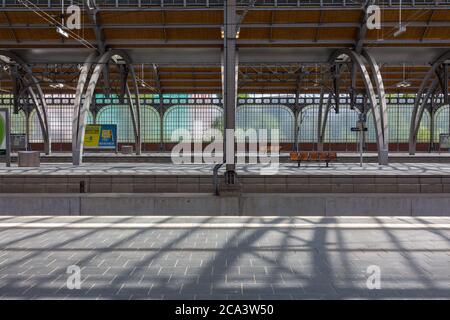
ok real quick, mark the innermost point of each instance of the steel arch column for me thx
(379, 109)
(382, 105)
(80, 115)
(38, 100)
(322, 123)
(421, 100)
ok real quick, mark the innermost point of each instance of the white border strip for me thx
(162, 225)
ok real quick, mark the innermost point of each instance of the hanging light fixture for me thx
(142, 76)
(404, 83)
(401, 28)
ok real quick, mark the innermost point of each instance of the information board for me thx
(100, 136)
(444, 141)
(18, 141)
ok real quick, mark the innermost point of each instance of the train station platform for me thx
(211, 257)
(288, 178)
(157, 188)
(165, 157)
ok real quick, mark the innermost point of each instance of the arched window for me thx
(399, 121)
(338, 128)
(441, 122)
(307, 121)
(150, 124)
(120, 116)
(195, 119)
(60, 123)
(18, 121)
(267, 117)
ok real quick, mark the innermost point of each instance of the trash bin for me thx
(29, 159)
(127, 149)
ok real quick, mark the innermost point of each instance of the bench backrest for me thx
(332, 155)
(304, 156)
(314, 156)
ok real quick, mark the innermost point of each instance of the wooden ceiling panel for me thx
(438, 33)
(114, 34)
(407, 15)
(193, 16)
(258, 17)
(341, 16)
(6, 35)
(193, 75)
(141, 17)
(337, 33)
(441, 15)
(44, 34)
(296, 16)
(186, 83)
(192, 34)
(254, 33)
(293, 34)
(165, 69)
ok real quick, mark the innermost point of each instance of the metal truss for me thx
(375, 94)
(25, 83)
(428, 96)
(81, 109)
(241, 4)
(167, 102)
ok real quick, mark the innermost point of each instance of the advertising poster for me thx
(100, 136)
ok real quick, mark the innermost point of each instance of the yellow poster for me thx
(92, 136)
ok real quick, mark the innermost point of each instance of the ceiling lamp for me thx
(57, 85)
(62, 32)
(404, 83)
(401, 28)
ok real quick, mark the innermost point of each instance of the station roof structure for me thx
(176, 45)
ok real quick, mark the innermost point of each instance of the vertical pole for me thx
(361, 134)
(319, 122)
(296, 128)
(8, 137)
(161, 124)
(27, 129)
(296, 122)
(230, 85)
(431, 146)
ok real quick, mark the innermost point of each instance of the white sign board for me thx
(444, 141)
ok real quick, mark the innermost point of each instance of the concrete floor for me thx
(289, 169)
(224, 257)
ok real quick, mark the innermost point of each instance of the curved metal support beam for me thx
(382, 105)
(380, 121)
(319, 121)
(420, 101)
(38, 100)
(81, 114)
(322, 121)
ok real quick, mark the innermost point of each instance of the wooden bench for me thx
(313, 156)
